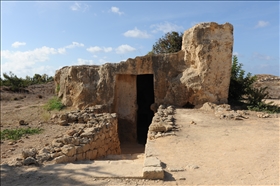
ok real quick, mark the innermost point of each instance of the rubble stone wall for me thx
(90, 136)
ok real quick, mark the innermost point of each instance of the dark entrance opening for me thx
(145, 97)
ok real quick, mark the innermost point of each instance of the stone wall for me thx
(199, 73)
(93, 136)
(162, 125)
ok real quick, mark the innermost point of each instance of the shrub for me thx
(240, 85)
(15, 134)
(241, 89)
(57, 88)
(54, 104)
(265, 107)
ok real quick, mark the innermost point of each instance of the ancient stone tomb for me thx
(199, 73)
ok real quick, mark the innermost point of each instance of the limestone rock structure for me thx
(199, 73)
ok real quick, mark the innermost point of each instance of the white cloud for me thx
(262, 24)
(136, 33)
(61, 50)
(84, 61)
(124, 49)
(166, 27)
(108, 49)
(23, 63)
(116, 10)
(73, 45)
(262, 57)
(96, 49)
(78, 7)
(18, 44)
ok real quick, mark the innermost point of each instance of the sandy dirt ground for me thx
(212, 152)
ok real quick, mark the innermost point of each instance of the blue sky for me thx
(41, 37)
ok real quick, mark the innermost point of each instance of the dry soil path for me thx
(220, 152)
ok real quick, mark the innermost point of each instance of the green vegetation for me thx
(57, 88)
(171, 42)
(54, 104)
(17, 84)
(240, 84)
(242, 92)
(16, 134)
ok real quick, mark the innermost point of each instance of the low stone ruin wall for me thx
(93, 136)
(163, 124)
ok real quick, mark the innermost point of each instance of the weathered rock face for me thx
(208, 51)
(199, 73)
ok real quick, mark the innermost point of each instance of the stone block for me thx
(68, 150)
(153, 173)
(79, 149)
(152, 162)
(61, 159)
(81, 156)
(86, 147)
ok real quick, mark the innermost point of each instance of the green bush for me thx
(169, 43)
(18, 84)
(242, 92)
(57, 88)
(265, 107)
(54, 104)
(15, 134)
(240, 85)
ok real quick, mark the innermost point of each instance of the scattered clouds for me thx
(166, 27)
(81, 61)
(97, 49)
(18, 44)
(258, 56)
(73, 45)
(24, 62)
(19, 62)
(116, 10)
(262, 24)
(136, 33)
(79, 7)
(94, 49)
(122, 49)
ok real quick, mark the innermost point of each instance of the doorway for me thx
(145, 97)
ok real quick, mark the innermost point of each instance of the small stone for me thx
(11, 143)
(63, 123)
(30, 152)
(21, 122)
(181, 178)
(71, 132)
(29, 161)
(193, 123)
